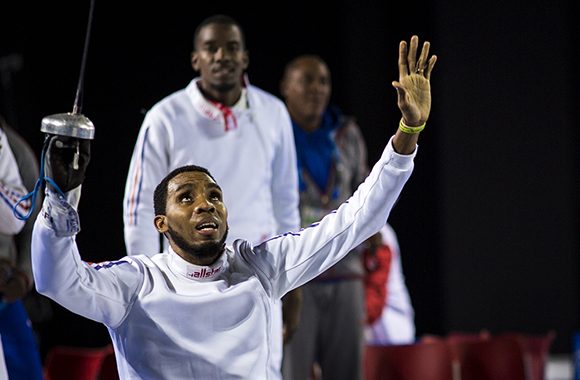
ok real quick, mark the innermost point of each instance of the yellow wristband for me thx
(411, 130)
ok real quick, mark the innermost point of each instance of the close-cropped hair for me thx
(222, 20)
(160, 194)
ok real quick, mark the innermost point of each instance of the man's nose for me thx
(204, 205)
(318, 87)
(220, 54)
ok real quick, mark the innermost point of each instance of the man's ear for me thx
(284, 87)
(160, 222)
(246, 60)
(195, 60)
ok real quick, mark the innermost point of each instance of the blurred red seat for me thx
(536, 349)
(74, 363)
(495, 358)
(467, 336)
(108, 369)
(425, 361)
(507, 356)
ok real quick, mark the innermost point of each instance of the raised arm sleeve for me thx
(290, 260)
(102, 292)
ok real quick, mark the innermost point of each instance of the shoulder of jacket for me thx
(256, 94)
(168, 103)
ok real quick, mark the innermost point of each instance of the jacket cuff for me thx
(59, 212)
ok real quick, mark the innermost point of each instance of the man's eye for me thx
(185, 199)
(216, 196)
(210, 48)
(234, 48)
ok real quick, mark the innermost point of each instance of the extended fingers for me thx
(403, 67)
(421, 64)
(408, 63)
(429, 68)
(412, 57)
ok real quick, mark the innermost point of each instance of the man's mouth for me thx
(223, 70)
(207, 227)
(315, 99)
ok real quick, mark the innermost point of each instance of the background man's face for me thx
(220, 57)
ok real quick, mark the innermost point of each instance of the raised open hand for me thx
(413, 87)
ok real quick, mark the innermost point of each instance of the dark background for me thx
(489, 222)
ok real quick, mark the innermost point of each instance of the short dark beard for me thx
(199, 251)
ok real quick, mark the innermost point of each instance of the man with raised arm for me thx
(203, 310)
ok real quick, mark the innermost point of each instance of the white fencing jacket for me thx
(11, 190)
(169, 319)
(248, 149)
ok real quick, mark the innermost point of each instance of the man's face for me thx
(220, 57)
(306, 89)
(195, 218)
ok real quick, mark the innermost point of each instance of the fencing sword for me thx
(73, 124)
